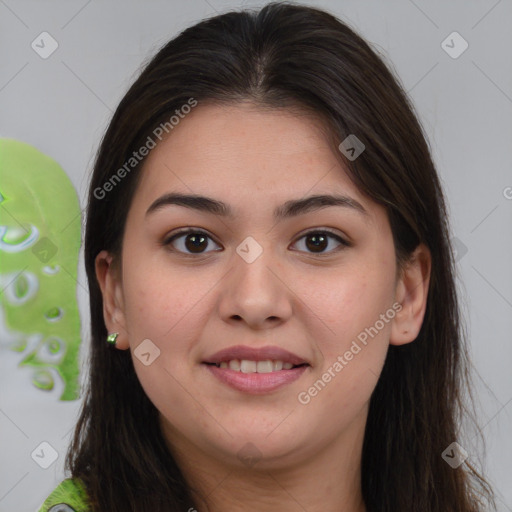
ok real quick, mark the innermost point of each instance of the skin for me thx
(313, 304)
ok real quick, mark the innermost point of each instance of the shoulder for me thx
(69, 496)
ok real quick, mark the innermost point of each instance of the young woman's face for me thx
(315, 286)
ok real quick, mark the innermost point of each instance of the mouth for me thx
(248, 366)
(256, 370)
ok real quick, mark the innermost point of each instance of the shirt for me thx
(69, 496)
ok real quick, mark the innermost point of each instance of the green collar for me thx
(69, 496)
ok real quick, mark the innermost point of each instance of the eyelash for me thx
(168, 241)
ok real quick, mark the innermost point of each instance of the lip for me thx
(255, 354)
(256, 383)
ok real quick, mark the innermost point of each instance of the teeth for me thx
(264, 366)
(234, 365)
(246, 366)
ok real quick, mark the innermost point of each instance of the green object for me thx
(112, 338)
(69, 496)
(40, 236)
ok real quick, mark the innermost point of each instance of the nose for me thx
(257, 293)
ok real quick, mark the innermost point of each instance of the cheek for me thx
(352, 353)
(160, 301)
(346, 302)
(355, 308)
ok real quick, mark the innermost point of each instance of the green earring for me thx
(112, 338)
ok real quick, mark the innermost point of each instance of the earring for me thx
(112, 338)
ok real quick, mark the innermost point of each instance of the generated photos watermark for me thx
(305, 397)
(137, 156)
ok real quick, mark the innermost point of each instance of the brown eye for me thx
(190, 242)
(196, 243)
(318, 241)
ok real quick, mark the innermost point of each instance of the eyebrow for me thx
(289, 209)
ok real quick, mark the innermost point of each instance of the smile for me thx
(247, 366)
(255, 370)
(249, 378)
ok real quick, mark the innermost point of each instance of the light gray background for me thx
(62, 104)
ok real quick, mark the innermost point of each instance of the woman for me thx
(273, 307)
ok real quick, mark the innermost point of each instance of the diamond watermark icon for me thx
(45, 249)
(454, 455)
(249, 454)
(351, 147)
(44, 45)
(147, 352)
(454, 45)
(249, 249)
(44, 455)
(459, 249)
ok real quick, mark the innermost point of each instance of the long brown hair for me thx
(284, 56)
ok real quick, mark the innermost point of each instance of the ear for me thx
(113, 305)
(411, 292)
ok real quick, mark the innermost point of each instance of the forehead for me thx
(244, 153)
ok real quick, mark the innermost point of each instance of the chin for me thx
(261, 448)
